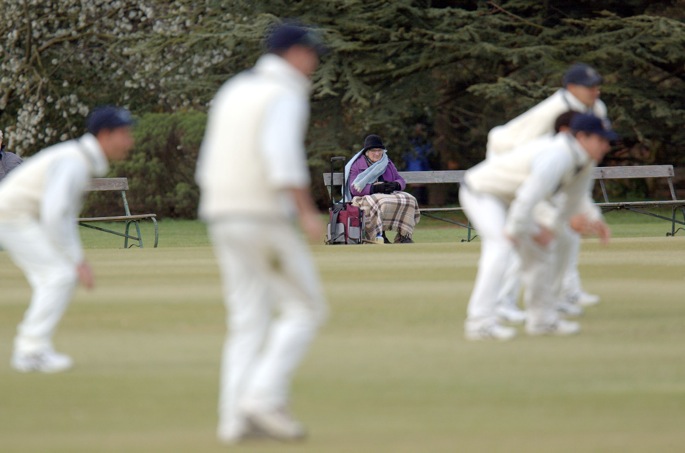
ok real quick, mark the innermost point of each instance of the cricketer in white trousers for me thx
(568, 249)
(273, 273)
(535, 123)
(39, 203)
(500, 196)
(540, 266)
(252, 158)
(51, 275)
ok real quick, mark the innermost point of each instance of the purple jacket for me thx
(360, 165)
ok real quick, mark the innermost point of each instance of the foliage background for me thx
(461, 66)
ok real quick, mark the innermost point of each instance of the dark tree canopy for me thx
(461, 66)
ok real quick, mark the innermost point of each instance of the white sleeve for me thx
(547, 171)
(580, 198)
(61, 204)
(283, 134)
(528, 126)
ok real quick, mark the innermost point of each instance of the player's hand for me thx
(85, 275)
(602, 231)
(311, 224)
(514, 241)
(543, 237)
(579, 224)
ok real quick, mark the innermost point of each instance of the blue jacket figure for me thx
(417, 157)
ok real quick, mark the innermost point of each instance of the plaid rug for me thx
(398, 211)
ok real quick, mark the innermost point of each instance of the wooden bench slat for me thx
(411, 177)
(654, 203)
(121, 218)
(629, 172)
(102, 184)
(456, 208)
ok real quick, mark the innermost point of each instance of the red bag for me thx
(346, 222)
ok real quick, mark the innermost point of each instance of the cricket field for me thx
(389, 372)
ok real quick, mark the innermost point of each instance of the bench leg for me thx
(127, 236)
(154, 222)
(674, 221)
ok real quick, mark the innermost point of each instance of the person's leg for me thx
(572, 286)
(244, 270)
(488, 215)
(53, 279)
(508, 296)
(302, 307)
(566, 281)
(408, 216)
(540, 272)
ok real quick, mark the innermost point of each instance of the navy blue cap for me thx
(108, 117)
(582, 74)
(283, 36)
(590, 124)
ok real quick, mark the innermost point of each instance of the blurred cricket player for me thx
(500, 196)
(254, 181)
(39, 204)
(580, 93)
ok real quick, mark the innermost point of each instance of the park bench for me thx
(601, 174)
(120, 185)
(646, 207)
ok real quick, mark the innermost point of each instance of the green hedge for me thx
(160, 169)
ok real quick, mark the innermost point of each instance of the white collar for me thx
(91, 148)
(573, 103)
(580, 156)
(275, 67)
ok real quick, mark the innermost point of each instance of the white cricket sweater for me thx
(48, 188)
(254, 143)
(537, 122)
(548, 167)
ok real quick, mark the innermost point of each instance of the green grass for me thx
(390, 371)
(188, 233)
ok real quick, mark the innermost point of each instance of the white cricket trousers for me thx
(488, 215)
(52, 277)
(265, 268)
(569, 285)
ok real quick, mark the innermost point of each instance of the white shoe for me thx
(587, 300)
(559, 327)
(232, 435)
(276, 422)
(492, 331)
(569, 308)
(511, 314)
(42, 362)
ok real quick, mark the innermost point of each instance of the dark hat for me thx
(283, 36)
(590, 124)
(108, 117)
(373, 141)
(582, 74)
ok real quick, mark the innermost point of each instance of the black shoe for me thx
(385, 239)
(399, 239)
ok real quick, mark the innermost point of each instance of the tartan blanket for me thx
(398, 211)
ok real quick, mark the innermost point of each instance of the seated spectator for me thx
(376, 186)
(8, 161)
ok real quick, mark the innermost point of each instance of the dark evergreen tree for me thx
(464, 66)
